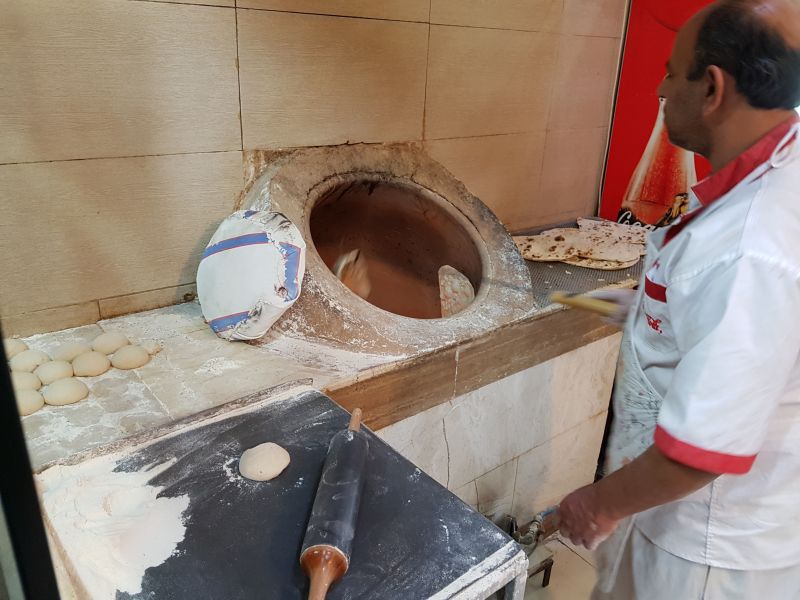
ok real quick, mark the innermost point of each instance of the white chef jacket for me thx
(717, 336)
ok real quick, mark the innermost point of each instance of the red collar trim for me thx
(728, 177)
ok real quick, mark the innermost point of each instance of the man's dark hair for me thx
(765, 67)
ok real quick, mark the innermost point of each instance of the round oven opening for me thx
(388, 240)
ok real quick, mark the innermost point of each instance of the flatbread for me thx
(563, 243)
(455, 291)
(601, 265)
(620, 231)
(552, 245)
(594, 244)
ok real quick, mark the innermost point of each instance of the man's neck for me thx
(743, 129)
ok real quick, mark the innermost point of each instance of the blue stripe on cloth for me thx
(228, 321)
(237, 242)
(249, 213)
(291, 270)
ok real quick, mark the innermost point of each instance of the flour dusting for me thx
(217, 366)
(112, 524)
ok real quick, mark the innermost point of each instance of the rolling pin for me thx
(325, 556)
(584, 302)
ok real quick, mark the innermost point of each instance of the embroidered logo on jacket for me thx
(655, 324)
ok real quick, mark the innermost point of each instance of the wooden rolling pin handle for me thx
(355, 420)
(320, 584)
(324, 565)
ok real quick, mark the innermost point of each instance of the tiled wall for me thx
(122, 122)
(520, 444)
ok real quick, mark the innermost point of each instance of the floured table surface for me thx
(239, 539)
(194, 371)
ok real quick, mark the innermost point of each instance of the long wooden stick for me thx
(584, 302)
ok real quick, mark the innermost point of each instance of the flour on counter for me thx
(112, 525)
(217, 366)
(335, 360)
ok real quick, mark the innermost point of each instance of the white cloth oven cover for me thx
(251, 272)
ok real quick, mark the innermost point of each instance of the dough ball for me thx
(25, 381)
(130, 357)
(53, 371)
(28, 360)
(70, 352)
(28, 402)
(14, 347)
(65, 391)
(263, 462)
(110, 342)
(91, 364)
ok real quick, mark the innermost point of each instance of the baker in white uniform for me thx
(703, 496)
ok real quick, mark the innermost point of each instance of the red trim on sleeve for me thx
(655, 291)
(698, 458)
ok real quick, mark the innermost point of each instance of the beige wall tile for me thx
(496, 490)
(203, 2)
(404, 10)
(503, 170)
(485, 82)
(581, 384)
(551, 471)
(530, 15)
(422, 440)
(430, 454)
(131, 303)
(50, 319)
(496, 423)
(565, 218)
(315, 80)
(81, 230)
(403, 433)
(584, 82)
(594, 17)
(160, 324)
(573, 164)
(96, 79)
(468, 494)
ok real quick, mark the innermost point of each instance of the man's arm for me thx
(591, 513)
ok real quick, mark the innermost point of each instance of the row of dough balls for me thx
(31, 369)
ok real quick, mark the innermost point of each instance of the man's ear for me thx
(716, 89)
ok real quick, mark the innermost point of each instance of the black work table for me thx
(414, 539)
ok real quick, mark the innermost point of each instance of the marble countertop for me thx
(195, 370)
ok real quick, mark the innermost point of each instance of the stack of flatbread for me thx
(594, 244)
